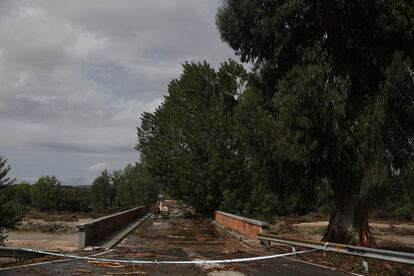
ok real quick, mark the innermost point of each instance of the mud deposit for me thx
(388, 234)
(47, 235)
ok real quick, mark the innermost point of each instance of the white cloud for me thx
(98, 167)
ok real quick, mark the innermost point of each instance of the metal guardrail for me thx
(10, 252)
(364, 252)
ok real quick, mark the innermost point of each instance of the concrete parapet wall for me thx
(245, 226)
(98, 229)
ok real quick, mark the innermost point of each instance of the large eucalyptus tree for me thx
(338, 79)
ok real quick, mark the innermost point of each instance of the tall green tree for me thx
(9, 213)
(137, 188)
(103, 192)
(338, 78)
(273, 184)
(186, 143)
(22, 194)
(46, 193)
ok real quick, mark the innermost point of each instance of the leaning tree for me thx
(338, 77)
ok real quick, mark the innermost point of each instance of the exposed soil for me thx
(45, 241)
(388, 234)
(44, 225)
(393, 235)
(47, 231)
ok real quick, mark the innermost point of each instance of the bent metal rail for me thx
(365, 252)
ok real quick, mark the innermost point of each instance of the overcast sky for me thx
(76, 75)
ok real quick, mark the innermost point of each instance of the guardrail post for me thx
(82, 238)
(365, 265)
(294, 250)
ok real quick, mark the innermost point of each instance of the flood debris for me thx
(174, 209)
(128, 273)
(82, 271)
(106, 264)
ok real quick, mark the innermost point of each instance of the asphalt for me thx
(178, 239)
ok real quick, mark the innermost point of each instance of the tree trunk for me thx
(349, 223)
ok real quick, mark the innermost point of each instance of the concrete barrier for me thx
(245, 226)
(98, 229)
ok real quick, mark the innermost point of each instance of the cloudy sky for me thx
(76, 75)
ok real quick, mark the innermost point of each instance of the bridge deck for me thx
(178, 239)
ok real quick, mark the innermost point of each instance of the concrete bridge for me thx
(176, 239)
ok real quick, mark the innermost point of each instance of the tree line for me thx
(121, 189)
(324, 119)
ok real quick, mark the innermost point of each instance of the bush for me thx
(10, 213)
(405, 212)
(380, 214)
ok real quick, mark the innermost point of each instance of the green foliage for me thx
(48, 194)
(22, 194)
(4, 170)
(405, 212)
(9, 211)
(122, 189)
(186, 144)
(130, 187)
(103, 192)
(74, 198)
(138, 187)
(45, 193)
(337, 78)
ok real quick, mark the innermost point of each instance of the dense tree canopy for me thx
(325, 118)
(340, 80)
(136, 187)
(186, 143)
(45, 193)
(103, 192)
(130, 187)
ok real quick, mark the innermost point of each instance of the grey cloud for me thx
(82, 149)
(76, 75)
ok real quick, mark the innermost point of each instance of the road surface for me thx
(178, 239)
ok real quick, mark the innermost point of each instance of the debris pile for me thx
(175, 209)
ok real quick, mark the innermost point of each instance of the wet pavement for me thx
(178, 239)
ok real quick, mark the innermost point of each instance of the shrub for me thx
(405, 212)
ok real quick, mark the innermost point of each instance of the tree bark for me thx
(348, 223)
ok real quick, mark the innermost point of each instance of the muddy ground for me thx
(48, 231)
(397, 235)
